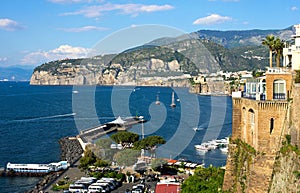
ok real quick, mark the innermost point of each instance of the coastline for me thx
(71, 151)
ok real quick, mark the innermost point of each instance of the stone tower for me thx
(261, 117)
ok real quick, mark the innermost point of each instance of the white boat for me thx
(173, 101)
(198, 128)
(37, 168)
(75, 91)
(224, 149)
(202, 148)
(157, 102)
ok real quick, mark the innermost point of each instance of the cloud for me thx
(294, 8)
(212, 19)
(129, 9)
(3, 59)
(84, 29)
(62, 52)
(10, 25)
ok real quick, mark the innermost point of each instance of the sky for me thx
(36, 31)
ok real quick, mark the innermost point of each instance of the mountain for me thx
(232, 39)
(16, 73)
(165, 61)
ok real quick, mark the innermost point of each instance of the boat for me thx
(173, 101)
(198, 128)
(201, 148)
(221, 144)
(75, 91)
(224, 149)
(37, 168)
(157, 102)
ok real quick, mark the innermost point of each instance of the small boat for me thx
(224, 149)
(173, 101)
(157, 102)
(201, 148)
(197, 128)
(75, 91)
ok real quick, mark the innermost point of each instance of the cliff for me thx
(163, 65)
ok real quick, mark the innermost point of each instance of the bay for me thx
(34, 118)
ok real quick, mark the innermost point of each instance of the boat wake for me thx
(46, 117)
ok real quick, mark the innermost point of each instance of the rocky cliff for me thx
(169, 64)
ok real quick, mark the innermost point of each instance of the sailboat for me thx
(157, 102)
(173, 101)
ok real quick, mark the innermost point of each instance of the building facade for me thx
(261, 117)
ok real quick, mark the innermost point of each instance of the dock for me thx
(91, 134)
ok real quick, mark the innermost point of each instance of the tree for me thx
(101, 163)
(278, 47)
(204, 180)
(125, 138)
(127, 157)
(149, 143)
(269, 42)
(88, 159)
(104, 143)
(158, 163)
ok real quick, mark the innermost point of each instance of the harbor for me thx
(119, 124)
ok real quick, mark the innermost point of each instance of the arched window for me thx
(244, 115)
(271, 125)
(251, 117)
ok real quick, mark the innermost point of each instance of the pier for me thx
(91, 134)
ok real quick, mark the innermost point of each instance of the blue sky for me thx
(36, 31)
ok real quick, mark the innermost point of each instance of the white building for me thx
(291, 54)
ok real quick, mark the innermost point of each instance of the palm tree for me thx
(278, 47)
(269, 41)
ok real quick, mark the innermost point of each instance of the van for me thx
(78, 188)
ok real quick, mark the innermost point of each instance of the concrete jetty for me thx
(119, 124)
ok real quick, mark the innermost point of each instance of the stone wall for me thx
(251, 122)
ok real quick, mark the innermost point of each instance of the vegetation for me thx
(269, 42)
(278, 47)
(125, 138)
(288, 147)
(61, 185)
(149, 143)
(204, 180)
(157, 163)
(90, 159)
(243, 155)
(127, 157)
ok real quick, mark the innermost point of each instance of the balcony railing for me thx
(262, 96)
(278, 95)
(249, 95)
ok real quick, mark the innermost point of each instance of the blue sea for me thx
(34, 118)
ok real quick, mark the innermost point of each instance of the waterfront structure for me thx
(37, 168)
(262, 115)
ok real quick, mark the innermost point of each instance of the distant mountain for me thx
(16, 73)
(204, 51)
(235, 38)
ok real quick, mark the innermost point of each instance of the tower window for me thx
(271, 125)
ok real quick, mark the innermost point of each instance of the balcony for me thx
(254, 96)
(280, 96)
(249, 95)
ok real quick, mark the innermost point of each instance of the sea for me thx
(34, 118)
